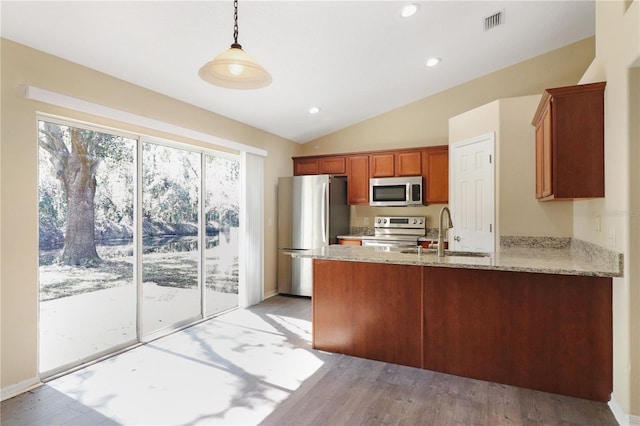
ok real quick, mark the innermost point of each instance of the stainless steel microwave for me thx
(396, 191)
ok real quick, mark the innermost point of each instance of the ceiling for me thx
(353, 59)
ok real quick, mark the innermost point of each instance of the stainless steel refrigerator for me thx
(312, 212)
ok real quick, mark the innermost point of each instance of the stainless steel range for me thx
(396, 232)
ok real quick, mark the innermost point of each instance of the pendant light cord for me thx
(235, 24)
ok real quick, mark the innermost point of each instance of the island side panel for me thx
(368, 310)
(546, 332)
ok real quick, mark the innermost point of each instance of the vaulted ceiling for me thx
(352, 59)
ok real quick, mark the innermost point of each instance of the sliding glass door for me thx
(93, 247)
(222, 212)
(87, 288)
(170, 258)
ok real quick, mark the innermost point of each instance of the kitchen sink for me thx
(447, 252)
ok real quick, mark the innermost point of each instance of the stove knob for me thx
(415, 221)
(385, 221)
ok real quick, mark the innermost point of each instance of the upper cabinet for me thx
(306, 166)
(330, 165)
(382, 165)
(398, 163)
(569, 143)
(435, 170)
(432, 163)
(358, 179)
(334, 165)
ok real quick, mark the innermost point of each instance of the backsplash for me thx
(535, 242)
(361, 230)
(368, 230)
(580, 248)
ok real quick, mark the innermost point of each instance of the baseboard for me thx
(270, 294)
(18, 388)
(622, 418)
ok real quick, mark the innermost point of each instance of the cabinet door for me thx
(383, 165)
(344, 242)
(436, 176)
(544, 155)
(547, 187)
(539, 159)
(360, 309)
(409, 163)
(305, 166)
(333, 165)
(358, 179)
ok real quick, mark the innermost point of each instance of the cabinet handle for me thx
(456, 238)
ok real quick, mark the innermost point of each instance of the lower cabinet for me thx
(539, 331)
(344, 242)
(356, 313)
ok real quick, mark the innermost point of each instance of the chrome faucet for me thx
(440, 229)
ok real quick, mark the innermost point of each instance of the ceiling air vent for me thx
(494, 20)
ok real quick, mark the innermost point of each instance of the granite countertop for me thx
(573, 259)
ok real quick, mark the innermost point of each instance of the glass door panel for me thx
(222, 210)
(170, 258)
(86, 288)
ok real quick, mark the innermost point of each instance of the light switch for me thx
(365, 221)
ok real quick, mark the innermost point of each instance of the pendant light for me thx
(234, 68)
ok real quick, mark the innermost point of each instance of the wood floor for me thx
(256, 366)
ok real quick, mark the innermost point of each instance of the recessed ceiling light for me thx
(409, 10)
(314, 110)
(432, 62)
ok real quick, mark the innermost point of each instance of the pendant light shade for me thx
(234, 68)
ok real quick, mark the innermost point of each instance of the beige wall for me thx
(19, 256)
(617, 61)
(519, 211)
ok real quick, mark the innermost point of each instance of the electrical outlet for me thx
(365, 221)
(598, 224)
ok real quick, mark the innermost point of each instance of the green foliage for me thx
(170, 181)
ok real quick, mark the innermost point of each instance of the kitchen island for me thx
(536, 318)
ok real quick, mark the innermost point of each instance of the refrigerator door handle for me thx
(325, 209)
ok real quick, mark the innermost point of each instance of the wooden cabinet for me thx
(358, 179)
(330, 165)
(357, 312)
(399, 163)
(345, 242)
(336, 165)
(408, 163)
(539, 331)
(432, 163)
(383, 165)
(305, 166)
(569, 143)
(435, 170)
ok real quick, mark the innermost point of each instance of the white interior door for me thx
(471, 167)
